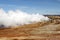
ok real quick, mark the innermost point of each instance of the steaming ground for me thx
(17, 17)
(49, 30)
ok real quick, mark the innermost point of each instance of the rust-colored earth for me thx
(36, 31)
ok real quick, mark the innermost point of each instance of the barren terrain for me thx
(49, 30)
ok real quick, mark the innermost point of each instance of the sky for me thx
(45, 7)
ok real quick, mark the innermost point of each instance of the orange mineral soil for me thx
(49, 30)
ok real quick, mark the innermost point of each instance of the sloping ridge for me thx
(45, 30)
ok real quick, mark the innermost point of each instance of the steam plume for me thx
(17, 17)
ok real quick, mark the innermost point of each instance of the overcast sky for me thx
(32, 6)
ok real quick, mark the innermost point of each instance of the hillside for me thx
(49, 30)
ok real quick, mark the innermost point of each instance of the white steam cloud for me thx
(17, 17)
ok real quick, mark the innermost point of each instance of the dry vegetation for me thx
(36, 31)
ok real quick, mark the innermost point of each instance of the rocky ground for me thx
(36, 31)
